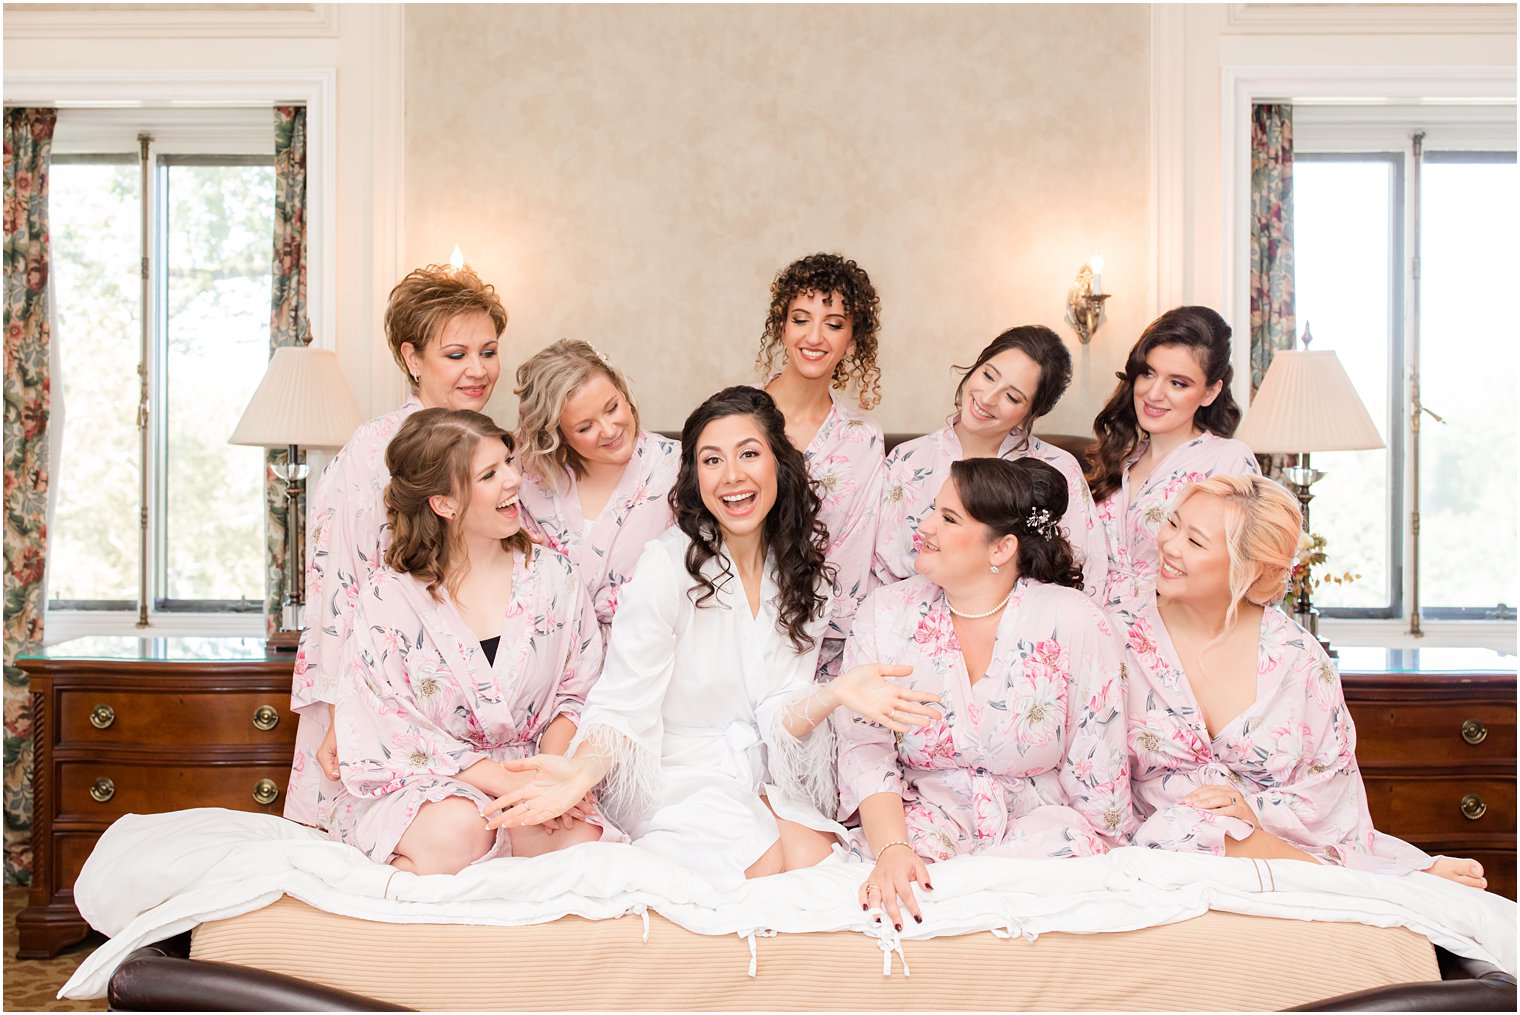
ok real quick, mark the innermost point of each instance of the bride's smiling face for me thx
(736, 473)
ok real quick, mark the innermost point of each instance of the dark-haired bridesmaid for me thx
(822, 325)
(1169, 422)
(1016, 380)
(1029, 758)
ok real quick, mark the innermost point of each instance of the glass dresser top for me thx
(130, 647)
(1424, 660)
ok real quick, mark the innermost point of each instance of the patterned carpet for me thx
(30, 984)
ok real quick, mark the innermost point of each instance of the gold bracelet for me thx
(899, 842)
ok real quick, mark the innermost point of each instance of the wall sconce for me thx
(1084, 301)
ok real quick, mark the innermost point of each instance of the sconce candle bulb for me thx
(1084, 301)
(456, 259)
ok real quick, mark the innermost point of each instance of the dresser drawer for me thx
(102, 791)
(1413, 808)
(73, 849)
(1439, 733)
(174, 718)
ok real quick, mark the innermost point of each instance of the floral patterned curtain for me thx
(288, 324)
(1271, 236)
(28, 152)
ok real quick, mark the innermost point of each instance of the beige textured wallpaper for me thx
(635, 176)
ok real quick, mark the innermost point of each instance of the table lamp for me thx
(302, 402)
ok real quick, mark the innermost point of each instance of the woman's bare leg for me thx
(535, 840)
(771, 863)
(799, 846)
(445, 837)
(803, 846)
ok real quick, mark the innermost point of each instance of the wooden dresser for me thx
(1435, 733)
(130, 725)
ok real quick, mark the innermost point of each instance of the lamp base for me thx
(283, 641)
(288, 637)
(1308, 619)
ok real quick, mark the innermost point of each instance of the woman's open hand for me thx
(556, 785)
(866, 691)
(889, 886)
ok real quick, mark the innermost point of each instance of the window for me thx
(1358, 273)
(207, 204)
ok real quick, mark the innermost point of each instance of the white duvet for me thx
(154, 876)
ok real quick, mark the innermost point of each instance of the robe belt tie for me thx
(740, 737)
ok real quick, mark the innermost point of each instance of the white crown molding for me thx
(1368, 19)
(171, 21)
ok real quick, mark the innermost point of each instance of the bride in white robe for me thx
(706, 729)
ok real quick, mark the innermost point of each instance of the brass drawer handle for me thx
(264, 792)
(1473, 807)
(102, 790)
(266, 718)
(1474, 732)
(102, 716)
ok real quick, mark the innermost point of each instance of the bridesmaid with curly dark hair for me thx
(706, 730)
(822, 326)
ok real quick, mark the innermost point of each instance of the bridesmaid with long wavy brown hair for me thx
(1169, 422)
(472, 647)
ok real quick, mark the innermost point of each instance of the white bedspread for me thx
(154, 876)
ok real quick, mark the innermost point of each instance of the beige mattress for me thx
(1214, 961)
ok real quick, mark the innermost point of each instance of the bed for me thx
(212, 909)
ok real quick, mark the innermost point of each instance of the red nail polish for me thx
(897, 926)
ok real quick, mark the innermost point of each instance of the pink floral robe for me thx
(1292, 753)
(1131, 518)
(1027, 762)
(845, 461)
(346, 544)
(605, 548)
(917, 469)
(418, 703)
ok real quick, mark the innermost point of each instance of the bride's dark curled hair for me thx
(1024, 498)
(793, 534)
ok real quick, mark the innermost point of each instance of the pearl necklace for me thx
(978, 616)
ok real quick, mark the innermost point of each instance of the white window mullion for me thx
(1407, 477)
(157, 372)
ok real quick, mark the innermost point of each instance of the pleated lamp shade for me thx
(302, 400)
(1306, 403)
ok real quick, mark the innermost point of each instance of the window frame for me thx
(158, 521)
(1396, 424)
(181, 136)
(1454, 133)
